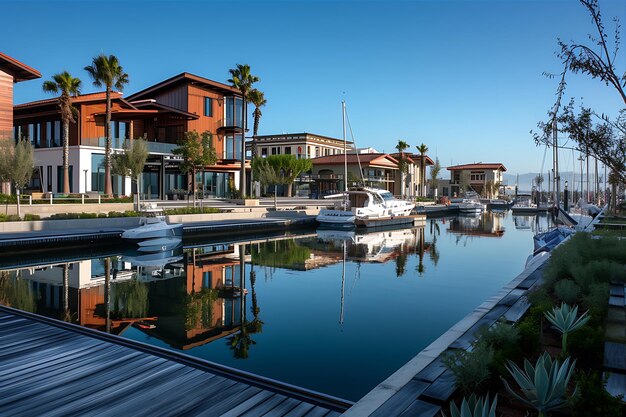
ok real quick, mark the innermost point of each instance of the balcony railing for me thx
(118, 144)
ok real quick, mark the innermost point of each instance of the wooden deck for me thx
(52, 368)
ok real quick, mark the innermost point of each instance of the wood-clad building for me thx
(161, 114)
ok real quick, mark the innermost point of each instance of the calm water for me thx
(336, 312)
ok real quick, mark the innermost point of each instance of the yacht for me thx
(153, 226)
(471, 204)
(365, 203)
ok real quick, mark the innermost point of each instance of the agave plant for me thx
(475, 407)
(564, 320)
(544, 386)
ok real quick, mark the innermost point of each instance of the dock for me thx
(49, 367)
(379, 222)
(32, 240)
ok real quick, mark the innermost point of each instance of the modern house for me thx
(483, 178)
(161, 114)
(413, 177)
(12, 71)
(301, 145)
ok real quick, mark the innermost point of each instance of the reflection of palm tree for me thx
(420, 248)
(256, 325)
(66, 292)
(107, 293)
(400, 264)
(240, 343)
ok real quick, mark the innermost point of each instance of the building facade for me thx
(484, 178)
(12, 71)
(413, 185)
(161, 114)
(301, 145)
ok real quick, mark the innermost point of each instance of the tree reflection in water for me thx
(16, 292)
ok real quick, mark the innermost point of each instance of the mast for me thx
(343, 280)
(555, 162)
(345, 154)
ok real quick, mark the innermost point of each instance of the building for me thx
(483, 178)
(161, 114)
(375, 170)
(412, 178)
(12, 71)
(301, 145)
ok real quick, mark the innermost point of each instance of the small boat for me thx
(499, 204)
(470, 207)
(548, 240)
(524, 205)
(152, 226)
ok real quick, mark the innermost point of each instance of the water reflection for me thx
(303, 309)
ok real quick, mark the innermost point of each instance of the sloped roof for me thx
(378, 159)
(414, 157)
(180, 78)
(19, 70)
(479, 165)
(83, 98)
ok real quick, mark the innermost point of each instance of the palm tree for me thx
(68, 86)
(257, 98)
(422, 149)
(106, 71)
(402, 163)
(242, 79)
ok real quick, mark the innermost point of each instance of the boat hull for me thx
(149, 232)
(336, 217)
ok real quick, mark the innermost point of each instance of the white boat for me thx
(470, 206)
(336, 217)
(159, 244)
(152, 226)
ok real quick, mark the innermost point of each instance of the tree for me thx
(596, 133)
(68, 86)
(106, 71)
(289, 167)
(257, 98)
(266, 174)
(403, 164)
(242, 79)
(434, 174)
(422, 149)
(130, 163)
(16, 165)
(197, 151)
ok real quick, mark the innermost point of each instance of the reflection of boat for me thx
(500, 204)
(156, 260)
(153, 225)
(159, 244)
(524, 205)
(370, 247)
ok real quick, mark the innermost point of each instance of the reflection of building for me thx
(476, 176)
(486, 224)
(161, 113)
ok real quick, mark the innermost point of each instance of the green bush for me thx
(529, 329)
(504, 339)
(567, 291)
(31, 217)
(64, 216)
(593, 399)
(597, 301)
(540, 300)
(587, 344)
(9, 218)
(8, 199)
(192, 210)
(471, 368)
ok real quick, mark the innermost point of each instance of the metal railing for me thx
(118, 144)
(50, 199)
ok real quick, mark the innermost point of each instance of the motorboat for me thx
(471, 204)
(159, 244)
(365, 203)
(153, 225)
(525, 205)
(499, 204)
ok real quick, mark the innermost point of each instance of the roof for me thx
(83, 98)
(480, 165)
(380, 159)
(293, 136)
(181, 78)
(414, 157)
(159, 106)
(19, 70)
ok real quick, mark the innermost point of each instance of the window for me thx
(232, 148)
(287, 150)
(234, 111)
(49, 179)
(208, 106)
(206, 279)
(477, 176)
(264, 152)
(276, 150)
(317, 151)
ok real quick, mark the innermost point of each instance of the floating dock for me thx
(49, 367)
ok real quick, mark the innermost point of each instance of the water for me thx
(310, 318)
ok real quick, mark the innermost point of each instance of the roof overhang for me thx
(17, 69)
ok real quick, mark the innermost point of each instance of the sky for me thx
(463, 77)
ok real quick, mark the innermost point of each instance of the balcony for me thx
(229, 124)
(118, 144)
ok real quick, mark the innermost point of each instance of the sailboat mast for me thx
(345, 148)
(557, 187)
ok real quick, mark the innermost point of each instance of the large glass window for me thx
(97, 172)
(239, 112)
(234, 111)
(229, 148)
(53, 134)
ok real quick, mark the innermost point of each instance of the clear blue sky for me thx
(464, 77)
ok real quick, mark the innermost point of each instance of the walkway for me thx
(52, 368)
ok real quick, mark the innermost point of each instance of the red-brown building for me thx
(12, 71)
(161, 113)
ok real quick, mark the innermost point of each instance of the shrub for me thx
(9, 218)
(540, 300)
(593, 399)
(8, 199)
(87, 215)
(504, 339)
(471, 368)
(587, 344)
(31, 217)
(567, 291)
(529, 329)
(597, 301)
(102, 215)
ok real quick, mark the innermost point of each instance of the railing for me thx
(327, 177)
(229, 124)
(118, 144)
(52, 198)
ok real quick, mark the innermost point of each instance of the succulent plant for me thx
(564, 319)
(544, 386)
(475, 407)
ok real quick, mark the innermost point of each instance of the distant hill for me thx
(526, 180)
